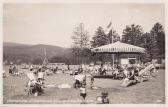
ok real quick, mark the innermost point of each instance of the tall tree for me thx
(157, 40)
(80, 41)
(146, 43)
(161, 42)
(132, 34)
(99, 38)
(80, 37)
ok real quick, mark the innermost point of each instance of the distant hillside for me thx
(12, 51)
(14, 44)
(14, 48)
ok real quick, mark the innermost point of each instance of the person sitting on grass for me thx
(48, 71)
(31, 67)
(83, 93)
(102, 70)
(131, 73)
(76, 83)
(80, 69)
(79, 80)
(116, 73)
(41, 77)
(68, 68)
(130, 79)
(4, 74)
(13, 69)
(55, 69)
(10, 70)
(103, 99)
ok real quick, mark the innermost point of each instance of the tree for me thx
(80, 41)
(132, 34)
(37, 61)
(153, 42)
(80, 37)
(161, 42)
(146, 43)
(99, 38)
(157, 40)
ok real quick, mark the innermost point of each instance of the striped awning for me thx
(119, 47)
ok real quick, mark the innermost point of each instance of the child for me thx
(41, 77)
(83, 93)
(103, 99)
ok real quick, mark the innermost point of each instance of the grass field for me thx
(152, 91)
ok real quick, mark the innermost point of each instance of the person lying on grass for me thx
(149, 71)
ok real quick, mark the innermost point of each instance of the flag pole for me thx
(112, 42)
(110, 34)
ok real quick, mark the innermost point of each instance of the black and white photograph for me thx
(83, 53)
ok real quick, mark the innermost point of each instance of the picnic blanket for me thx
(64, 86)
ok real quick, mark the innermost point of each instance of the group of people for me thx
(137, 74)
(13, 70)
(35, 82)
(131, 74)
(80, 83)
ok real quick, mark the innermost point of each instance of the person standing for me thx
(83, 93)
(68, 67)
(91, 81)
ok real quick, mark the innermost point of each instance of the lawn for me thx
(152, 91)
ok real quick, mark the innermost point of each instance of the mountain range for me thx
(34, 51)
(16, 48)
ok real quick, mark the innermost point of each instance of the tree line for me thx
(153, 41)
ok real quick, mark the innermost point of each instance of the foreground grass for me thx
(152, 91)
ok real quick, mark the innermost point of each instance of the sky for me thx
(53, 24)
